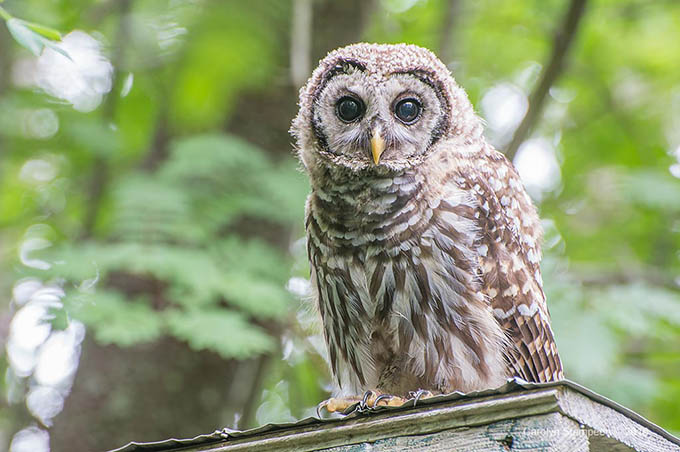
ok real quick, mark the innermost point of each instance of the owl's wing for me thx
(509, 253)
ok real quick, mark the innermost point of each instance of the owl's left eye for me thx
(407, 110)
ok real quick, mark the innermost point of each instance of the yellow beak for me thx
(377, 146)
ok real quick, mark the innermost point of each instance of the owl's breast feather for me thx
(400, 286)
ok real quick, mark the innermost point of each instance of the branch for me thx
(563, 39)
(446, 46)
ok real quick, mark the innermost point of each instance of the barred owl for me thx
(424, 246)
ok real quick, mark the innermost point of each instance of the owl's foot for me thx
(370, 399)
(374, 399)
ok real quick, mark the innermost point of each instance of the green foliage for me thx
(228, 177)
(170, 231)
(227, 333)
(114, 319)
(202, 98)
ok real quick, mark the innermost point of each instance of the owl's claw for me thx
(367, 401)
(374, 399)
(389, 400)
(380, 398)
(419, 394)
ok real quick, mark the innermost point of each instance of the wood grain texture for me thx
(418, 421)
(610, 430)
(552, 432)
(550, 417)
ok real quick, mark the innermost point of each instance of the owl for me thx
(424, 246)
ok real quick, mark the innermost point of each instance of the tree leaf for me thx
(25, 36)
(49, 33)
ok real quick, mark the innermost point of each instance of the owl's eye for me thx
(407, 110)
(349, 109)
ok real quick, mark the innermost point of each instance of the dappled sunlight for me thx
(399, 6)
(38, 171)
(82, 78)
(47, 359)
(35, 239)
(503, 107)
(41, 358)
(538, 167)
(41, 124)
(675, 167)
(30, 439)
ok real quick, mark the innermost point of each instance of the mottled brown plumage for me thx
(424, 247)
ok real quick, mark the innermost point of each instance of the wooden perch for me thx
(561, 416)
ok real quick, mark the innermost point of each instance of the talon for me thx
(365, 401)
(380, 398)
(419, 394)
(388, 400)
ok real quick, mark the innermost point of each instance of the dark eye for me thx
(349, 109)
(407, 110)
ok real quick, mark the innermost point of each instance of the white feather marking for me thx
(502, 170)
(511, 291)
(529, 311)
(381, 184)
(539, 279)
(433, 203)
(532, 256)
(399, 228)
(501, 314)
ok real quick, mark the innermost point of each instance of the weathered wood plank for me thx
(609, 429)
(418, 421)
(549, 417)
(547, 432)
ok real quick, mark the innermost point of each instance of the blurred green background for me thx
(152, 266)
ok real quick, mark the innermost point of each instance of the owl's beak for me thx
(377, 145)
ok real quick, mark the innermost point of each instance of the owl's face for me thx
(364, 120)
(379, 107)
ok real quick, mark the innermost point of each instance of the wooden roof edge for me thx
(515, 399)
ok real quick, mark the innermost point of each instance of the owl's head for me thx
(380, 106)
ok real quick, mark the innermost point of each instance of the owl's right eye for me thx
(349, 109)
